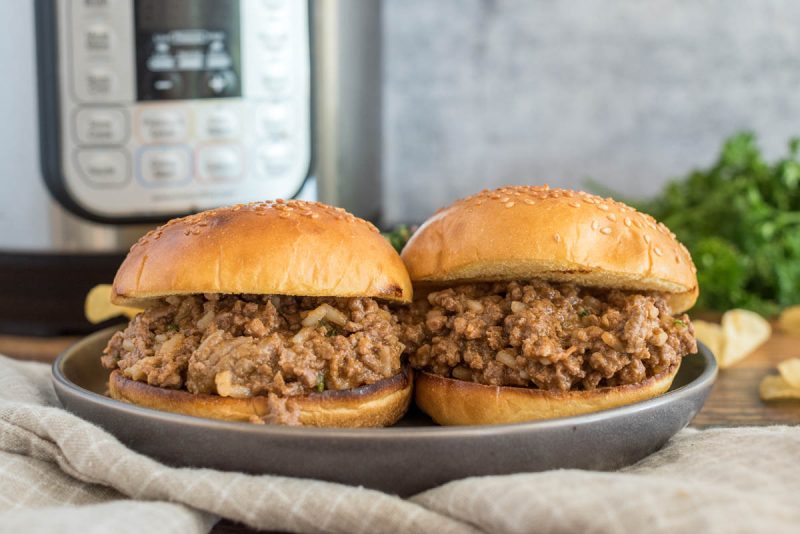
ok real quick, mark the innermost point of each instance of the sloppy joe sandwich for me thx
(269, 312)
(535, 303)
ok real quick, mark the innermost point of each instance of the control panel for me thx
(166, 107)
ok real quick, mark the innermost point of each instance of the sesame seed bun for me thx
(457, 402)
(380, 404)
(278, 248)
(519, 233)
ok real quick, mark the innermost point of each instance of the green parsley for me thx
(330, 329)
(399, 236)
(320, 387)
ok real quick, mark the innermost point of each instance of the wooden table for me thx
(734, 400)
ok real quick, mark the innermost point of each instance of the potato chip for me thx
(790, 371)
(789, 320)
(98, 307)
(743, 331)
(774, 387)
(710, 334)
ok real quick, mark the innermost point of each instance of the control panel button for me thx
(99, 38)
(103, 168)
(221, 163)
(163, 125)
(220, 124)
(276, 78)
(100, 126)
(272, 122)
(164, 166)
(274, 159)
(98, 82)
(274, 37)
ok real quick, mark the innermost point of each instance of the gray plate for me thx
(413, 456)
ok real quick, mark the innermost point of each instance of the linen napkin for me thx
(61, 473)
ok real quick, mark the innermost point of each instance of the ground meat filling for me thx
(244, 345)
(557, 337)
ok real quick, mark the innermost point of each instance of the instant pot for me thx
(121, 114)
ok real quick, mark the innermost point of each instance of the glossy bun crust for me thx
(518, 233)
(278, 248)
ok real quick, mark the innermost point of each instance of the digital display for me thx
(187, 49)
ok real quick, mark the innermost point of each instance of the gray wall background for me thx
(482, 93)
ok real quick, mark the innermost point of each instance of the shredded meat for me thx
(244, 345)
(551, 336)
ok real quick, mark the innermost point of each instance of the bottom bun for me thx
(456, 402)
(380, 404)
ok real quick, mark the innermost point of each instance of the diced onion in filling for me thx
(517, 306)
(226, 387)
(474, 306)
(335, 316)
(506, 358)
(314, 316)
(205, 321)
(302, 335)
(324, 311)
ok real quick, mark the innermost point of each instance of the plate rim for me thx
(705, 379)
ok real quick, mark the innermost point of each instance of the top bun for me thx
(275, 247)
(518, 233)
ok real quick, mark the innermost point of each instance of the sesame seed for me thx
(509, 204)
(603, 207)
(504, 199)
(606, 230)
(557, 237)
(575, 204)
(612, 217)
(628, 222)
(658, 251)
(595, 225)
(529, 202)
(647, 239)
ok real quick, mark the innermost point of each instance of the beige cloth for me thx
(60, 473)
